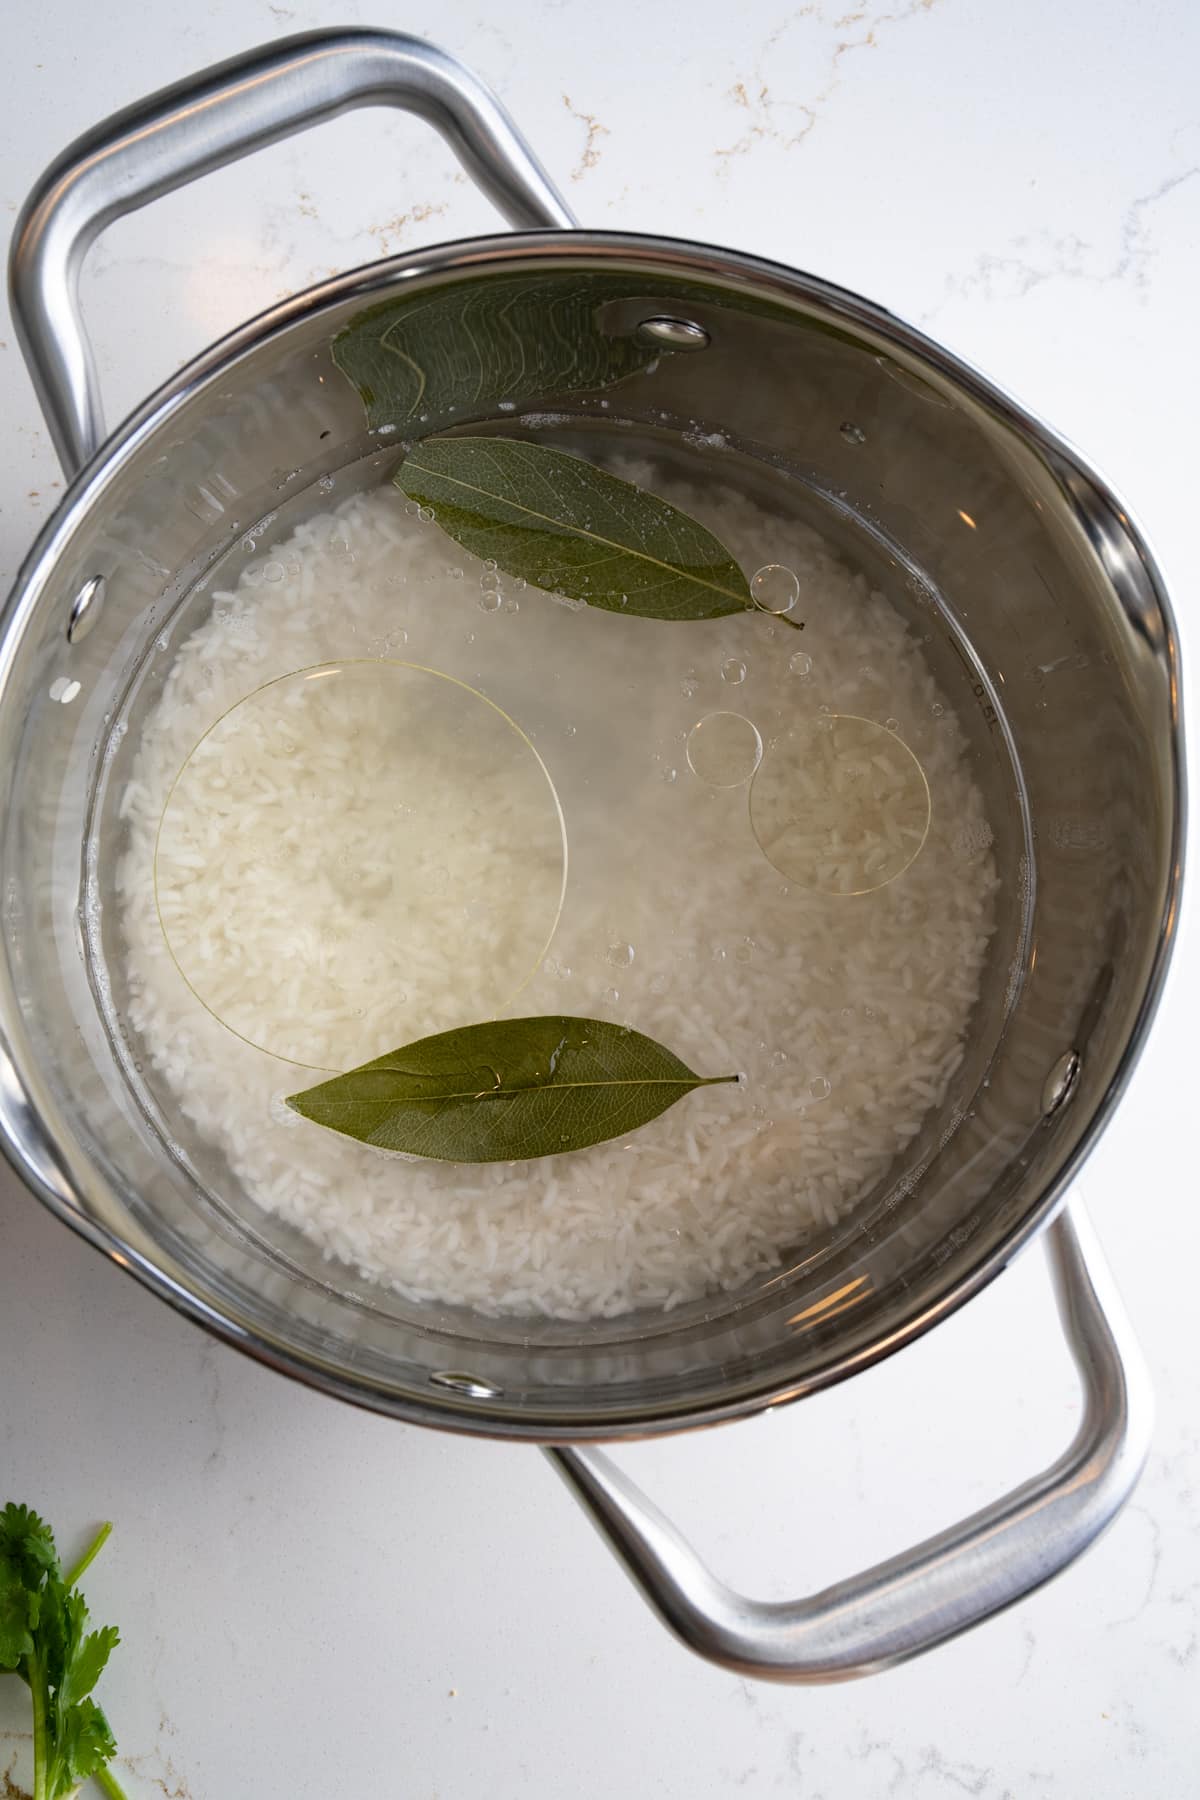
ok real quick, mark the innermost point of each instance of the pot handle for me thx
(962, 1576)
(211, 119)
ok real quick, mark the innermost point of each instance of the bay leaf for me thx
(564, 525)
(505, 1091)
(468, 345)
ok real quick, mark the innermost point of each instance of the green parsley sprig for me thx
(44, 1639)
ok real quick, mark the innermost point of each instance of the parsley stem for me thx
(37, 1688)
(93, 1550)
(105, 1778)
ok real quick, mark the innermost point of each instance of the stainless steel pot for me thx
(1049, 623)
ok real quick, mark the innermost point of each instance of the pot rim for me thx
(32, 1132)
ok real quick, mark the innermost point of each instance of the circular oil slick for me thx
(724, 749)
(390, 860)
(840, 805)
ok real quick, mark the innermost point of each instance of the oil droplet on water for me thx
(620, 955)
(733, 670)
(389, 758)
(840, 805)
(724, 749)
(800, 664)
(774, 588)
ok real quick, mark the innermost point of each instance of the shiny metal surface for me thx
(1103, 917)
(85, 609)
(214, 118)
(918, 1599)
(1014, 553)
(674, 334)
(1061, 1082)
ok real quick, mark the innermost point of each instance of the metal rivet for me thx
(1061, 1082)
(465, 1384)
(89, 604)
(673, 334)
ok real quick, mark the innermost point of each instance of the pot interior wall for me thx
(1045, 629)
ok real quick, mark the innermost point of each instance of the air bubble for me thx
(620, 955)
(326, 484)
(774, 588)
(853, 434)
(733, 670)
(800, 664)
(938, 710)
(489, 601)
(745, 951)
(819, 1088)
(425, 514)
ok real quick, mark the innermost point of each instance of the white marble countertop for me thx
(318, 1603)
